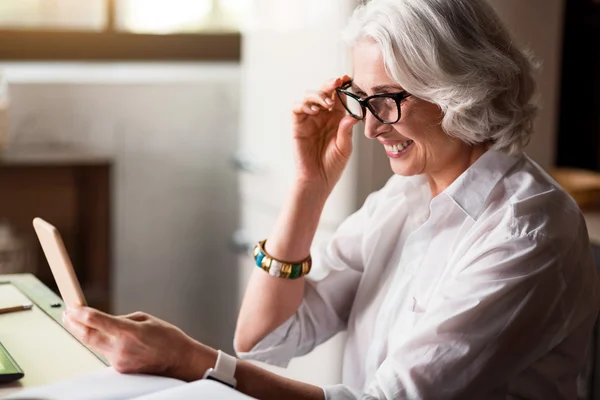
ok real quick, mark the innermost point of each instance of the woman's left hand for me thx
(140, 343)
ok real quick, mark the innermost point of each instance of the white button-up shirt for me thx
(487, 291)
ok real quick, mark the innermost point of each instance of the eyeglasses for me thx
(384, 106)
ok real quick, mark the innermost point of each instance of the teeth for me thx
(396, 148)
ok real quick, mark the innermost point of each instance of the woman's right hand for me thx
(322, 136)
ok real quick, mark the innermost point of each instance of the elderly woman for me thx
(468, 276)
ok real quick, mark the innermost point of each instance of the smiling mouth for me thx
(395, 150)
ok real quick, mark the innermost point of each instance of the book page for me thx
(106, 384)
(204, 389)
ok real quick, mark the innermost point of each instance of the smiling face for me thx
(416, 144)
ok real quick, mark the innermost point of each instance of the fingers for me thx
(313, 103)
(302, 108)
(94, 319)
(306, 108)
(88, 336)
(326, 99)
(344, 135)
(333, 84)
(328, 94)
(322, 99)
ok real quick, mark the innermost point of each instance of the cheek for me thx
(421, 122)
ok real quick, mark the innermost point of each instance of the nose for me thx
(374, 127)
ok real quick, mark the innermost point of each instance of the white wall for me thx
(172, 130)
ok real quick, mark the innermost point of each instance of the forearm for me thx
(270, 301)
(295, 228)
(262, 384)
(251, 379)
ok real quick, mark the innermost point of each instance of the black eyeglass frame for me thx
(365, 103)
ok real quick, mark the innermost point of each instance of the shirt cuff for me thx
(278, 347)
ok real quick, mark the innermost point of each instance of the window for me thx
(121, 29)
(53, 14)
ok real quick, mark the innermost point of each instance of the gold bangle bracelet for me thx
(278, 268)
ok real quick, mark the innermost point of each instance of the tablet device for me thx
(60, 263)
(9, 369)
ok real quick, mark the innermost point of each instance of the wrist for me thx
(195, 361)
(311, 190)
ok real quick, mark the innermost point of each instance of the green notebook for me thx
(9, 369)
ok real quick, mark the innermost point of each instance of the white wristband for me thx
(224, 370)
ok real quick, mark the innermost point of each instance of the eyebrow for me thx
(378, 89)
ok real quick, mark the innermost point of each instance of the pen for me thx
(16, 308)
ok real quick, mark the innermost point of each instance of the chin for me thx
(404, 169)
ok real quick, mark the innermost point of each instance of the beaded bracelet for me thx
(280, 269)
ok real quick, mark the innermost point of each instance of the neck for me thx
(441, 179)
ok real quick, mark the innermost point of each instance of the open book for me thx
(108, 384)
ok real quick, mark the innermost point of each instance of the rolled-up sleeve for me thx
(505, 306)
(327, 302)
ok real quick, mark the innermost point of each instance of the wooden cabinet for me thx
(70, 188)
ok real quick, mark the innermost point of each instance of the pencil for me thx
(16, 308)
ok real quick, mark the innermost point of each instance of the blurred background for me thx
(155, 135)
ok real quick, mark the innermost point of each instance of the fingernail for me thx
(314, 108)
(329, 101)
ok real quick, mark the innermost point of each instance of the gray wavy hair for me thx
(459, 55)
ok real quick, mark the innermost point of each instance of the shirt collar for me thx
(471, 189)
